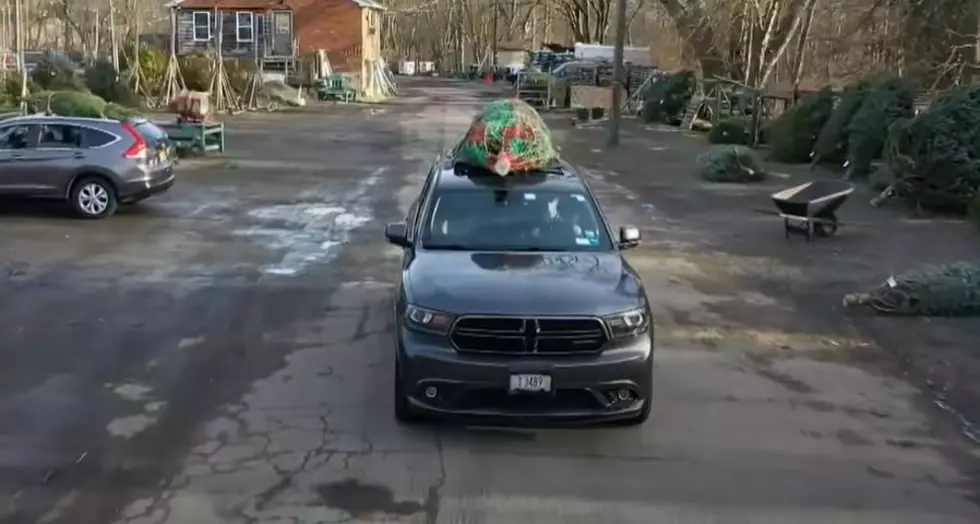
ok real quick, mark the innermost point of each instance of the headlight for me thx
(627, 324)
(429, 320)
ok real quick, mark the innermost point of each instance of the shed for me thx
(279, 31)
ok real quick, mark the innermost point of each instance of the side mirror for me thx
(397, 234)
(629, 237)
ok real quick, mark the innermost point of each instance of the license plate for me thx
(162, 156)
(539, 383)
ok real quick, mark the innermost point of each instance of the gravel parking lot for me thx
(222, 354)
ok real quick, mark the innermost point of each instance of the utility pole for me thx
(619, 75)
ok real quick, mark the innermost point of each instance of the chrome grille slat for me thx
(553, 336)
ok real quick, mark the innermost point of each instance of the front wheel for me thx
(93, 198)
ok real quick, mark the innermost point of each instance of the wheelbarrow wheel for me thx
(826, 227)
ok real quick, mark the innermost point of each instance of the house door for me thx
(282, 33)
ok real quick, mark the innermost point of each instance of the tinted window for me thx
(18, 136)
(95, 138)
(151, 133)
(516, 219)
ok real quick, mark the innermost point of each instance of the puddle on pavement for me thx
(362, 499)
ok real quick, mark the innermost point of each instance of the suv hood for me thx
(523, 283)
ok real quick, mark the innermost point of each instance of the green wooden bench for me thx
(196, 137)
(335, 87)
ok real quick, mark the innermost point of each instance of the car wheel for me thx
(93, 197)
(403, 411)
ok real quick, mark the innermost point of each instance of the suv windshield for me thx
(515, 219)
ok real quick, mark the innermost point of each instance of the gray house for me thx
(262, 29)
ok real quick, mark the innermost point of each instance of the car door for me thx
(16, 140)
(49, 167)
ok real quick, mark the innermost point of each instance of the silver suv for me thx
(94, 164)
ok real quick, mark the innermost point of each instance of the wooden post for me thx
(113, 40)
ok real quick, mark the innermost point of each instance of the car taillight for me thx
(138, 149)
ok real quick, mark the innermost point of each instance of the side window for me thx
(95, 138)
(59, 136)
(18, 137)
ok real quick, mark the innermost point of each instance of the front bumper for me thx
(473, 387)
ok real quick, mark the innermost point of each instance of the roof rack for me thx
(469, 170)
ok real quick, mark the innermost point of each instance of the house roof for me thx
(252, 4)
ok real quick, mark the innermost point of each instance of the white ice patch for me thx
(311, 233)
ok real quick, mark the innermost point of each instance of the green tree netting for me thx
(935, 157)
(947, 290)
(831, 144)
(507, 136)
(666, 100)
(884, 103)
(730, 163)
(793, 133)
(732, 130)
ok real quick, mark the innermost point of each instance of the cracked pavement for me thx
(224, 355)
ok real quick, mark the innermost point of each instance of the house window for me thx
(245, 26)
(202, 26)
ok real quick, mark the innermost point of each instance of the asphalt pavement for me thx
(223, 354)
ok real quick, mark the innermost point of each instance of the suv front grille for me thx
(528, 335)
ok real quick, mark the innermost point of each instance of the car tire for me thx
(93, 197)
(403, 410)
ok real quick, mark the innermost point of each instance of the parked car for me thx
(515, 304)
(93, 164)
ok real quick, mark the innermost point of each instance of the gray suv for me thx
(515, 303)
(93, 164)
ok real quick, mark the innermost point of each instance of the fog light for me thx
(431, 392)
(623, 394)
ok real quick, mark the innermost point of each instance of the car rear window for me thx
(151, 133)
(515, 219)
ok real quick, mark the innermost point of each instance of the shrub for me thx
(196, 70)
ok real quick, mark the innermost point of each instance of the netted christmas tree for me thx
(885, 102)
(831, 144)
(732, 130)
(507, 136)
(793, 133)
(947, 290)
(666, 100)
(730, 163)
(935, 157)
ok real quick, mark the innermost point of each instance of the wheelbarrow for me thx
(810, 209)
